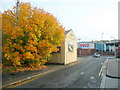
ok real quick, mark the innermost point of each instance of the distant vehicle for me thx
(97, 55)
(109, 73)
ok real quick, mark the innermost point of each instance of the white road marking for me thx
(92, 77)
(82, 73)
(101, 70)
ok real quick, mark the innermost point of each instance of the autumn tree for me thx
(30, 40)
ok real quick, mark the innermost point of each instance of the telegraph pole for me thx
(17, 5)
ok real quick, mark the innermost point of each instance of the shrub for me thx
(117, 56)
(29, 40)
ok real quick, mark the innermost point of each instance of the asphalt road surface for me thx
(83, 75)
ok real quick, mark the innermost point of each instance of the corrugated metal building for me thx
(100, 47)
(104, 48)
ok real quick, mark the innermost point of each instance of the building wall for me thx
(82, 52)
(86, 45)
(104, 47)
(85, 48)
(118, 51)
(110, 48)
(66, 54)
(59, 57)
(56, 58)
(99, 46)
(71, 55)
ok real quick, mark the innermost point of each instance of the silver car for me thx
(97, 55)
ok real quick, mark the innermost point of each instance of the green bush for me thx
(117, 56)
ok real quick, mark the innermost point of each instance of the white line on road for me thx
(82, 73)
(101, 70)
(92, 77)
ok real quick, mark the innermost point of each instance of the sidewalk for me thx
(9, 79)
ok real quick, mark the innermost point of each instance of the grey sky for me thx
(88, 18)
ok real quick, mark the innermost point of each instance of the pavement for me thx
(10, 80)
(110, 73)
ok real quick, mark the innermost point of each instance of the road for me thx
(83, 75)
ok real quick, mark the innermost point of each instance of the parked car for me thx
(109, 73)
(97, 55)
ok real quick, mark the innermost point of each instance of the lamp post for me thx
(79, 39)
(102, 42)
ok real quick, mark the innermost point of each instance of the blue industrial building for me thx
(108, 48)
(100, 46)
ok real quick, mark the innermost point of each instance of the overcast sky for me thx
(88, 18)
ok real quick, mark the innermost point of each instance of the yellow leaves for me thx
(13, 57)
(28, 27)
(17, 46)
(32, 35)
(43, 61)
(16, 54)
(16, 60)
(18, 63)
(31, 48)
(39, 33)
(22, 35)
(43, 44)
(34, 49)
(37, 64)
(21, 41)
(54, 49)
(28, 55)
(24, 9)
(35, 36)
(37, 57)
(27, 47)
(22, 50)
(14, 44)
(10, 43)
(12, 50)
(7, 56)
(12, 37)
(5, 49)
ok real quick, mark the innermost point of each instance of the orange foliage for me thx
(29, 40)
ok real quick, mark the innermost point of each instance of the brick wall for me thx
(118, 52)
(82, 52)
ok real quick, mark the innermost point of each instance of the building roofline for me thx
(66, 32)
